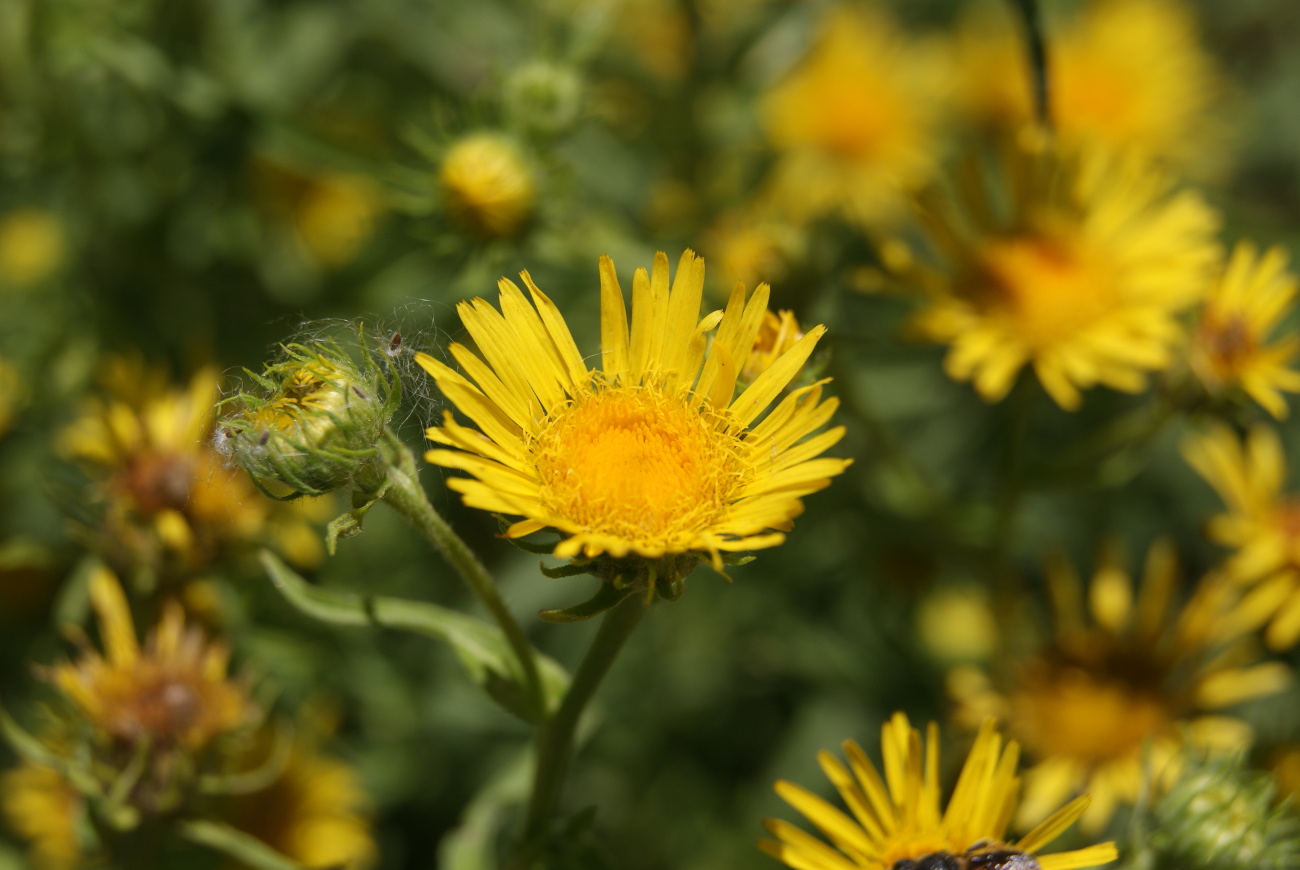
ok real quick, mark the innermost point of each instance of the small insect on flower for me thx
(981, 856)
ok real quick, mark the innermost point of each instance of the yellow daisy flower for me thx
(898, 821)
(41, 808)
(652, 454)
(855, 123)
(1111, 701)
(487, 187)
(751, 248)
(1076, 263)
(1126, 74)
(173, 692)
(32, 247)
(1262, 522)
(167, 493)
(314, 813)
(1228, 346)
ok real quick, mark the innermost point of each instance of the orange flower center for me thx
(631, 462)
(1049, 288)
(1065, 711)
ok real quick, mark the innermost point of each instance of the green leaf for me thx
(481, 647)
(607, 597)
(31, 749)
(244, 848)
(472, 845)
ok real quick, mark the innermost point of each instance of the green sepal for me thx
(607, 597)
(481, 647)
(244, 848)
(573, 569)
(349, 524)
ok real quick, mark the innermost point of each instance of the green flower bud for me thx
(1220, 816)
(317, 425)
(543, 97)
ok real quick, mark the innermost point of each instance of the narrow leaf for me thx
(607, 597)
(244, 848)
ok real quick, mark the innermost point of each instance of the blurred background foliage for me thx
(184, 184)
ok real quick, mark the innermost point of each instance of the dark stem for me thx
(1036, 46)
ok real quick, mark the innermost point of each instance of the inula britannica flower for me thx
(652, 454)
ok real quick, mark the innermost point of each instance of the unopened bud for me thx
(487, 187)
(318, 425)
(543, 97)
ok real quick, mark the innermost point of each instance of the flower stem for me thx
(555, 735)
(405, 495)
(1036, 46)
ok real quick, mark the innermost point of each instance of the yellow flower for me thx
(174, 692)
(487, 187)
(165, 489)
(1077, 264)
(751, 248)
(854, 123)
(776, 334)
(651, 454)
(957, 624)
(1228, 347)
(314, 813)
(1110, 703)
(1126, 74)
(336, 216)
(42, 809)
(1262, 522)
(31, 246)
(898, 820)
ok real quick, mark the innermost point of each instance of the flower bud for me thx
(487, 187)
(319, 424)
(1220, 816)
(543, 97)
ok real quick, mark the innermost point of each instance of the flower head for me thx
(1126, 74)
(854, 124)
(1261, 524)
(1108, 703)
(335, 216)
(171, 501)
(1075, 263)
(32, 244)
(898, 820)
(652, 454)
(487, 186)
(174, 692)
(1229, 345)
(42, 809)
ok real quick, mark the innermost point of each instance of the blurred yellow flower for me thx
(751, 248)
(1262, 523)
(652, 454)
(174, 692)
(1108, 704)
(1229, 344)
(899, 820)
(41, 808)
(487, 187)
(32, 246)
(336, 216)
(315, 813)
(956, 624)
(1127, 74)
(1075, 263)
(855, 123)
(168, 494)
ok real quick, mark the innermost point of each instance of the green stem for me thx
(405, 495)
(1036, 48)
(555, 735)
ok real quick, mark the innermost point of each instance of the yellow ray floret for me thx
(898, 817)
(651, 454)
